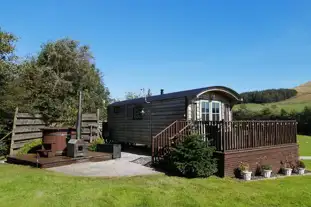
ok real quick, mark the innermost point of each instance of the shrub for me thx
(94, 143)
(301, 164)
(191, 158)
(244, 166)
(266, 167)
(30, 146)
(3, 149)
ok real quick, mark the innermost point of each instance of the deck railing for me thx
(163, 140)
(237, 135)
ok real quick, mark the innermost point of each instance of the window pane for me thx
(207, 107)
(204, 107)
(203, 117)
(213, 108)
(217, 117)
(217, 107)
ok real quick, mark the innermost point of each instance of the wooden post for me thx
(13, 131)
(91, 133)
(97, 116)
(223, 137)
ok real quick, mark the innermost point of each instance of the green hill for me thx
(297, 103)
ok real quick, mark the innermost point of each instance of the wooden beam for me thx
(13, 131)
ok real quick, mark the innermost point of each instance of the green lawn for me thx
(308, 164)
(287, 106)
(304, 145)
(24, 186)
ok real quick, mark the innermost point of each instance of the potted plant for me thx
(244, 169)
(266, 170)
(301, 167)
(287, 168)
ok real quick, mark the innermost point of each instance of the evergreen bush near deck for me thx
(191, 158)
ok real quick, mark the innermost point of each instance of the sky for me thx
(175, 44)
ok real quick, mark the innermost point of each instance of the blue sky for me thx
(175, 44)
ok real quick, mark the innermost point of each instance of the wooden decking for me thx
(228, 135)
(44, 162)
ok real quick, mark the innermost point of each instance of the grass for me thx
(24, 186)
(287, 106)
(308, 164)
(304, 145)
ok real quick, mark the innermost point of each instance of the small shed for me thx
(138, 120)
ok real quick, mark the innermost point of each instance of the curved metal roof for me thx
(192, 92)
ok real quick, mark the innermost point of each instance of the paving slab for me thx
(305, 157)
(123, 166)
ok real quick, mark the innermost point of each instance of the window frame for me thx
(210, 110)
(139, 108)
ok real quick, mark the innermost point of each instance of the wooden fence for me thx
(27, 127)
(237, 135)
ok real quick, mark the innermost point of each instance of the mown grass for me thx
(304, 145)
(308, 164)
(287, 106)
(24, 186)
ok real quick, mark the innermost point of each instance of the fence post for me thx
(13, 131)
(223, 135)
(97, 116)
(152, 150)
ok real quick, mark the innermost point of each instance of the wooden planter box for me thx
(115, 149)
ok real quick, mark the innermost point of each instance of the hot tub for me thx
(55, 139)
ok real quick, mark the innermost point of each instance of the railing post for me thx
(152, 150)
(223, 135)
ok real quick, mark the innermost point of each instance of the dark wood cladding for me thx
(122, 127)
(271, 155)
(236, 135)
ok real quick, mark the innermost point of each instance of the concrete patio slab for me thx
(305, 157)
(123, 166)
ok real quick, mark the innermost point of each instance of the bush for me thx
(30, 146)
(3, 149)
(266, 167)
(191, 158)
(94, 143)
(301, 164)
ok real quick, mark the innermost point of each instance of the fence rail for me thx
(27, 127)
(171, 134)
(236, 135)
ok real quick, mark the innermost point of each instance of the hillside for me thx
(304, 94)
(298, 103)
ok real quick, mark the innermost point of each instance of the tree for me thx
(7, 45)
(7, 73)
(7, 68)
(133, 95)
(50, 83)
